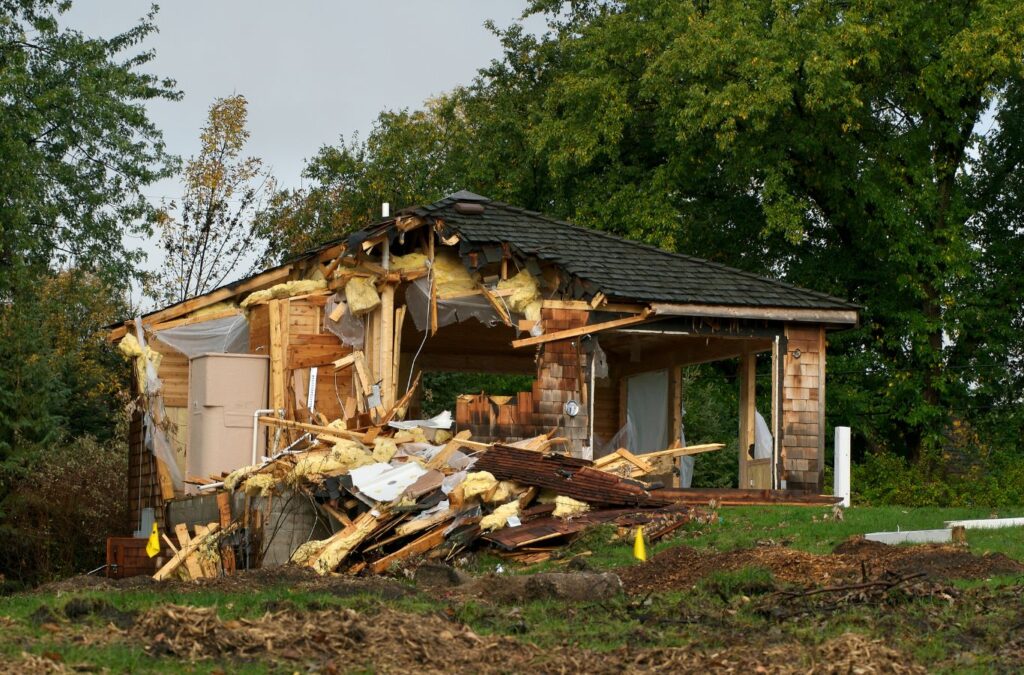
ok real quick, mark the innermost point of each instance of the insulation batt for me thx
(525, 298)
(567, 507)
(262, 484)
(361, 296)
(384, 449)
(477, 483)
(285, 290)
(499, 517)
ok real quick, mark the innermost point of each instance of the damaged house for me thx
(330, 346)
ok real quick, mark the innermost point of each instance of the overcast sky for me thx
(311, 70)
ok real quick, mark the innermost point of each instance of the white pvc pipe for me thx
(841, 474)
(256, 428)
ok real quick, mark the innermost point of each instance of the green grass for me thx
(720, 612)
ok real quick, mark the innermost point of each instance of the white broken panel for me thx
(383, 483)
(912, 537)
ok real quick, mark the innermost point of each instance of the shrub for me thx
(62, 504)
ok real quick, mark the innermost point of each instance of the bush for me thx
(62, 504)
(960, 470)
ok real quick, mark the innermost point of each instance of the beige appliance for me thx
(224, 391)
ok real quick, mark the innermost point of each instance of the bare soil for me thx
(683, 566)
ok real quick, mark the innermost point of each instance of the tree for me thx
(76, 144)
(408, 158)
(76, 150)
(223, 194)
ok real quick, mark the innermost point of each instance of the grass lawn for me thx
(951, 627)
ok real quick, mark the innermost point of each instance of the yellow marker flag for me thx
(153, 545)
(639, 551)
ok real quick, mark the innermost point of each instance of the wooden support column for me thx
(675, 414)
(778, 379)
(278, 315)
(387, 346)
(748, 399)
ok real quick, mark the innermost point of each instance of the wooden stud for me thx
(191, 564)
(182, 555)
(582, 330)
(387, 346)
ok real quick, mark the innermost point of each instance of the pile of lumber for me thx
(395, 494)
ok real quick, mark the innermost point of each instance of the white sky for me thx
(311, 70)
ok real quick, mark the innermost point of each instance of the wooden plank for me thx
(209, 566)
(313, 356)
(495, 304)
(397, 349)
(164, 477)
(428, 541)
(195, 571)
(190, 320)
(260, 281)
(620, 308)
(278, 321)
(582, 330)
(387, 346)
(186, 551)
(832, 316)
(313, 428)
(442, 457)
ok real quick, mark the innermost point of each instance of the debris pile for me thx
(397, 491)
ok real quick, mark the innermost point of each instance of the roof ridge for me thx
(672, 254)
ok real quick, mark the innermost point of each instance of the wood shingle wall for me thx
(803, 408)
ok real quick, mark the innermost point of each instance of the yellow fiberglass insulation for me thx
(130, 347)
(285, 290)
(499, 517)
(361, 296)
(308, 551)
(262, 484)
(345, 456)
(525, 298)
(567, 507)
(451, 275)
(410, 261)
(414, 435)
(238, 476)
(384, 449)
(506, 490)
(477, 483)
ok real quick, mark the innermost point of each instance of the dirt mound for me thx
(939, 561)
(391, 642)
(682, 566)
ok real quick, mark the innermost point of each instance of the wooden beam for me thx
(180, 557)
(582, 330)
(278, 313)
(495, 304)
(189, 320)
(430, 540)
(260, 281)
(387, 346)
(191, 564)
(448, 450)
(748, 398)
(616, 307)
(313, 428)
(839, 316)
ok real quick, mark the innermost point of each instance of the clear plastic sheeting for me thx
(228, 335)
(456, 310)
(155, 416)
(350, 329)
(646, 410)
(763, 441)
(442, 420)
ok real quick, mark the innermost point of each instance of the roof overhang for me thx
(845, 317)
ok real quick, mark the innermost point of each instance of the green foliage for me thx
(205, 239)
(834, 145)
(440, 390)
(66, 499)
(76, 145)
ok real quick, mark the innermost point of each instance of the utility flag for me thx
(153, 545)
(639, 551)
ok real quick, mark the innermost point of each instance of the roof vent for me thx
(469, 208)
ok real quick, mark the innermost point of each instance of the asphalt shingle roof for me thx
(619, 267)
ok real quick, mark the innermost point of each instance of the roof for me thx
(619, 267)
